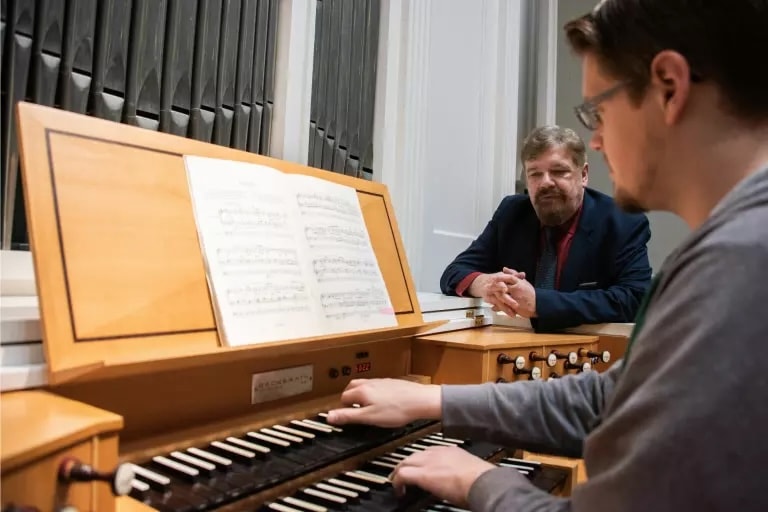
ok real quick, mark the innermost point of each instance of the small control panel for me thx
(549, 364)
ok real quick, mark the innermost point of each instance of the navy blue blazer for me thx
(604, 277)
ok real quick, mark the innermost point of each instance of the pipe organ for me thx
(142, 407)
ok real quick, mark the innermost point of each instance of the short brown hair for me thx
(545, 138)
(714, 36)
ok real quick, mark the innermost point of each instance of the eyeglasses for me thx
(587, 111)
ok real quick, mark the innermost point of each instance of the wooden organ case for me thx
(136, 372)
(499, 353)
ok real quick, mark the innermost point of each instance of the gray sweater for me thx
(681, 424)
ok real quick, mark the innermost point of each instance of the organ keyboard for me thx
(138, 388)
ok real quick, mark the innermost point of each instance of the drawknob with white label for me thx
(72, 470)
(603, 356)
(551, 358)
(571, 357)
(583, 367)
(518, 361)
(534, 373)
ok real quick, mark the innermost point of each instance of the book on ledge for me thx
(287, 256)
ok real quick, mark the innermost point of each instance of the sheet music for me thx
(352, 292)
(287, 256)
(248, 233)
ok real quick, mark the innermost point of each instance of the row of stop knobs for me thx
(571, 362)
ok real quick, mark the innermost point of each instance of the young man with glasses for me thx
(680, 422)
(563, 255)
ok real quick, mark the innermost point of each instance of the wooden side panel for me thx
(129, 242)
(616, 345)
(39, 430)
(391, 260)
(446, 365)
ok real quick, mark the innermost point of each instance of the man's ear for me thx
(670, 82)
(585, 174)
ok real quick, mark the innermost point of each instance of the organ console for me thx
(505, 350)
(140, 406)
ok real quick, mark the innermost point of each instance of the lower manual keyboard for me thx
(201, 478)
(369, 489)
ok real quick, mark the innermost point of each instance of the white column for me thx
(400, 117)
(293, 80)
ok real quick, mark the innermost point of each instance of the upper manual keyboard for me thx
(205, 477)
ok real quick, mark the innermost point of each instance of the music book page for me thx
(287, 255)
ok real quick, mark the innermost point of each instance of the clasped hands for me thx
(446, 472)
(507, 291)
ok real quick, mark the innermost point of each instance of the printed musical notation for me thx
(268, 297)
(319, 236)
(258, 256)
(332, 268)
(287, 256)
(358, 301)
(255, 216)
(314, 203)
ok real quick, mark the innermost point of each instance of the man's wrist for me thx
(433, 403)
(473, 284)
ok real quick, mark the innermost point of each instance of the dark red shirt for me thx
(563, 238)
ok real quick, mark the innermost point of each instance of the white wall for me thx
(667, 230)
(446, 123)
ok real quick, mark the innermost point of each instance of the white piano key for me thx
(338, 490)
(282, 508)
(384, 458)
(268, 439)
(194, 461)
(139, 485)
(397, 455)
(368, 476)
(304, 504)
(349, 485)
(418, 446)
(221, 461)
(520, 469)
(383, 464)
(325, 425)
(325, 495)
(448, 439)
(289, 430)
(233, 449)
(448, 507)
(281, 435)
(150, 475)
(525, 462)
(315, 426)
(409, 449)
(435, 442)
(176, 466)
(248, 445)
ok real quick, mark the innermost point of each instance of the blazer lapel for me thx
(580, 245)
